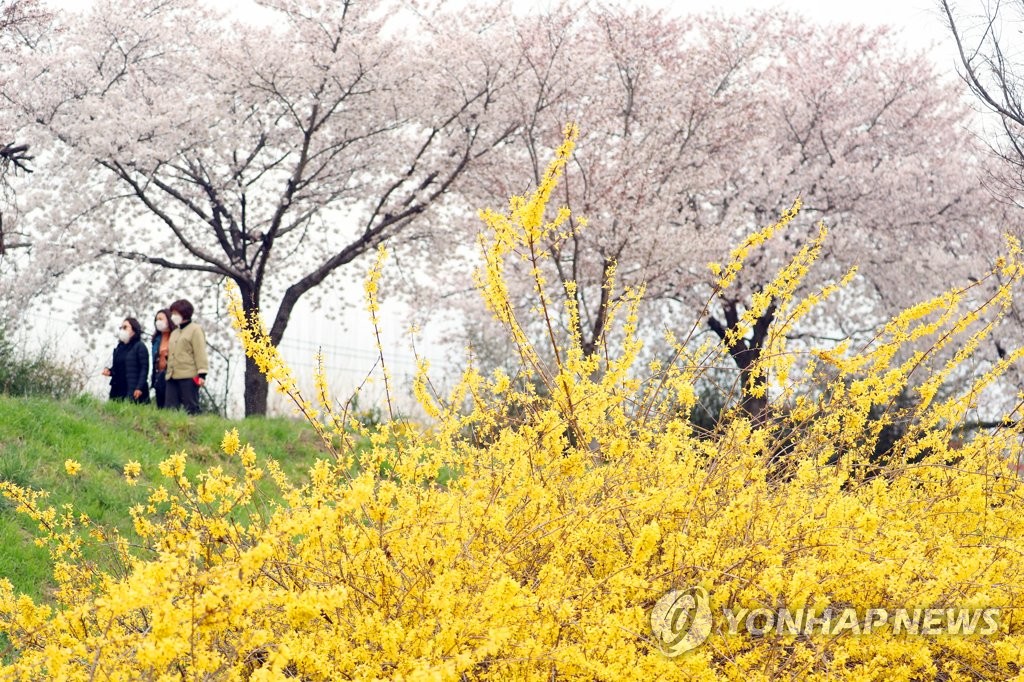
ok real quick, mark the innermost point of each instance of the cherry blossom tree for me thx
(20, 24)
(697, 130)
(19, 20)
(272, 151)
(23, 23)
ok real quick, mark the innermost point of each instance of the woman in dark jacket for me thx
(129, 369)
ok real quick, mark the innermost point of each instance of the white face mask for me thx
(161, 325)
(176, 319)
(124, 335)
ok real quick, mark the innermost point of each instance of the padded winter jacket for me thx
(129, 370)
(186, 353)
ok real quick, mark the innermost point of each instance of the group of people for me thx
(177, 356)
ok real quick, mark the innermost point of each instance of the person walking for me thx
(129, 366)
(187, 364)
(160, 345)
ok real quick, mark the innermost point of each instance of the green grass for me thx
(37, 435)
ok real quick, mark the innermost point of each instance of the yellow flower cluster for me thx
(528, 531)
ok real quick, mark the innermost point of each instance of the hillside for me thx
(37, 436)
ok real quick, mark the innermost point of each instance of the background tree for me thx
(22, 24)
(991, 68)
(272, 152)
(184, 147)
(19, 21)
(986, 36)
(698, 130)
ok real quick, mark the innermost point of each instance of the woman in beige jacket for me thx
(187, 364)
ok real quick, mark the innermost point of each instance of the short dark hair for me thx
(136, 327)
(183, 308)
(170, 324)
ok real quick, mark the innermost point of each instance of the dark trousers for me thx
(182, 393)
(160, 388)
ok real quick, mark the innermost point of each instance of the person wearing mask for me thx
(187, 365)
(160, 346)
(129, 367)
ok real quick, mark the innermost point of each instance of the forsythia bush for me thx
(579, 493)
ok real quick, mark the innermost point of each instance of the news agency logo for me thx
(682, 620)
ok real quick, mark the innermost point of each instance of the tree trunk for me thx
(756, 408)
(256, 390)
(256, 386)
(745, 353)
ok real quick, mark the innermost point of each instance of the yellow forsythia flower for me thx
(533, 527)
(230, 443)
(132, 471)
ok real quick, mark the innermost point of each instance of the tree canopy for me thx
(274, 150)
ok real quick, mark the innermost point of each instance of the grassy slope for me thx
(37, 436)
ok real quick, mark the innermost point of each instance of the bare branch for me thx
(15, 155)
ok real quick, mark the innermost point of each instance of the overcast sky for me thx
(900, 12)
(919, 21)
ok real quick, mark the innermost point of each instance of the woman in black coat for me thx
(129, 369)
